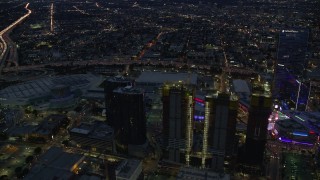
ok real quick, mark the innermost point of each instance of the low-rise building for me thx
(48, 128)
(55, 164)
(97, 135)
(199, 174)
(129, 169)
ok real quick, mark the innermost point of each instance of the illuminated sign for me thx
(199, 100)
(294, 142)
(300, 134)
(311, 132)
(199, 117)
(299, 118)
(289, 31)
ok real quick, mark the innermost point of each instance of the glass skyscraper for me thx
(289, 85)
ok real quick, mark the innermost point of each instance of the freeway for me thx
(8, 46)
(175, 64)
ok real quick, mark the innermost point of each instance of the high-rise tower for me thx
(177, 122)
(257, 128)
(110, 85)
(128, 111)
(290, 68)
(219, 129)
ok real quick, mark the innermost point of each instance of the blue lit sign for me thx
(282, 139)
(300, 134)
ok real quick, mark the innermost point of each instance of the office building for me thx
(128, 111)
(110, 85)
(177, 122)
(292, 48)
(290, 68)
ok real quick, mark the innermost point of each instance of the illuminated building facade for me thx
(289, 87)
(219, 129)
(177, 122)
(256, 137)
(128, 111)
(110, 85)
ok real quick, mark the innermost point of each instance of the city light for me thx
(282, 139)
(299, 118)
(199, 100)
(218, 89)
(198, 117)
(300, 134)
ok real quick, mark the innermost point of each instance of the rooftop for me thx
(55, 163)
(310, 120)
(193, 173)
(97, 130)
(118, 78)
(129, 90)
(127, 168)
(21, 93)
(290, 124)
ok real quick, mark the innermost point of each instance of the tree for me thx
(29, 159)
(65, 142)
(18, 170)
(3, 136)
(102, 166)
(37, 150)
(4, 177)
(35, 112)
(25, 171)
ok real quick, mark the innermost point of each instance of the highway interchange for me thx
(9, 49)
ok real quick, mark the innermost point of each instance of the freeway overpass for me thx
(178, 65)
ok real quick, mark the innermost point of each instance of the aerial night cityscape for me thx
(160, 89)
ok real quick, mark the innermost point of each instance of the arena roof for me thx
(21, 93)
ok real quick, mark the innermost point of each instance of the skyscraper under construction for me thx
(219, 138)
(177, 122)
(257, 128)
